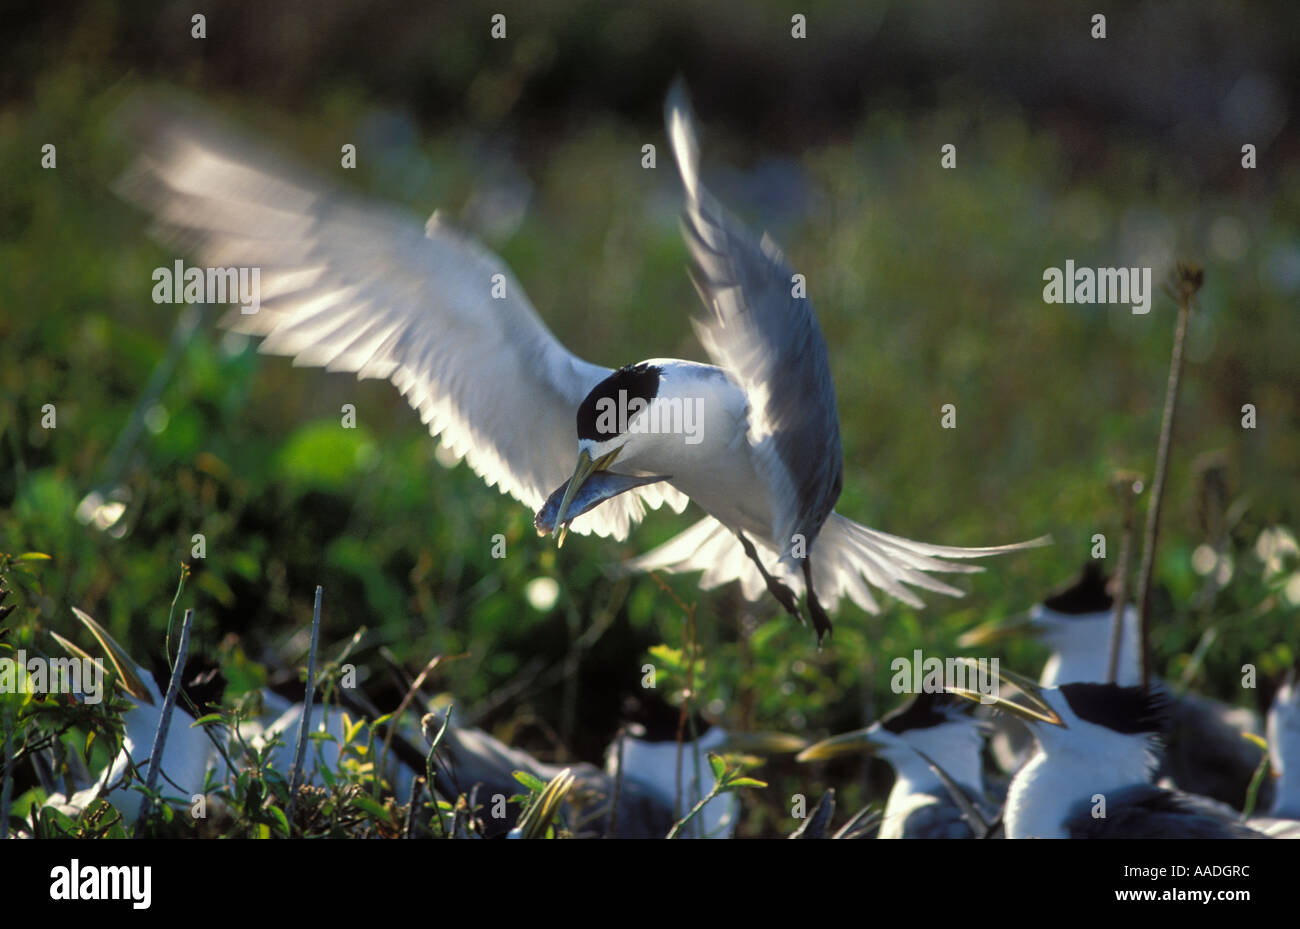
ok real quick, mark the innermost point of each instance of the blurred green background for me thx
(928, 283)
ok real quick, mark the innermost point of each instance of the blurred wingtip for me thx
(682, 136)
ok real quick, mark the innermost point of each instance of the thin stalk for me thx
(1189, 280)
(1129, 490)
(695, 811)
(304, 723)
(164, 722)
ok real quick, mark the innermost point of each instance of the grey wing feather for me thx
(353, 286)
(1150, 812)
(769, 341)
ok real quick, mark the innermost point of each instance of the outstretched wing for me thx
(355, 286)
(769, 341)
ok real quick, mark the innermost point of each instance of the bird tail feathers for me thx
(848, 561)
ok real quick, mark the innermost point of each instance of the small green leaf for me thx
(280, 819)
(746, 782)
(718, 764)
(670, 658)
(204, 720)
(33, 556)
(362, 802)
(534, 784)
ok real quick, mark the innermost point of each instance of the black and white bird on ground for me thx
(195, 758)
(1074, 622)
(1098, 746)
(928, 730)
(1205, 750)
(472, 762)
(188, 755)
(354, 286)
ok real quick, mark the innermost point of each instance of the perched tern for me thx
(1205, 751)
(354, 286)
(928, 730)
(188, 756)
(191, 754)
(1098, 746)
(1074, 622)
(646, 791)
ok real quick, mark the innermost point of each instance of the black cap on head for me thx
(1086, 595)
(1129, 710)
(631, 382)
(921, 712)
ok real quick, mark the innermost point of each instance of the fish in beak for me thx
(1025, 700)
(591, 485)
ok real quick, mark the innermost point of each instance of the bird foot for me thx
(785, 596)
(821, 622)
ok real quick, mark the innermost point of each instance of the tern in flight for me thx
(354, 286)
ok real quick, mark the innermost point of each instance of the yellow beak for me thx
(1000, 631)
(1026, 700)
(761, 743)
(858, 742)
(586, 467)
(126, 667)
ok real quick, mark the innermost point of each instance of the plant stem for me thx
(164, 721)
(1133, 488)
(1189, 280)
(695, 810)
(304, 723)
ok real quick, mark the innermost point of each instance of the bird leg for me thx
(821, 622)
(784, 595)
